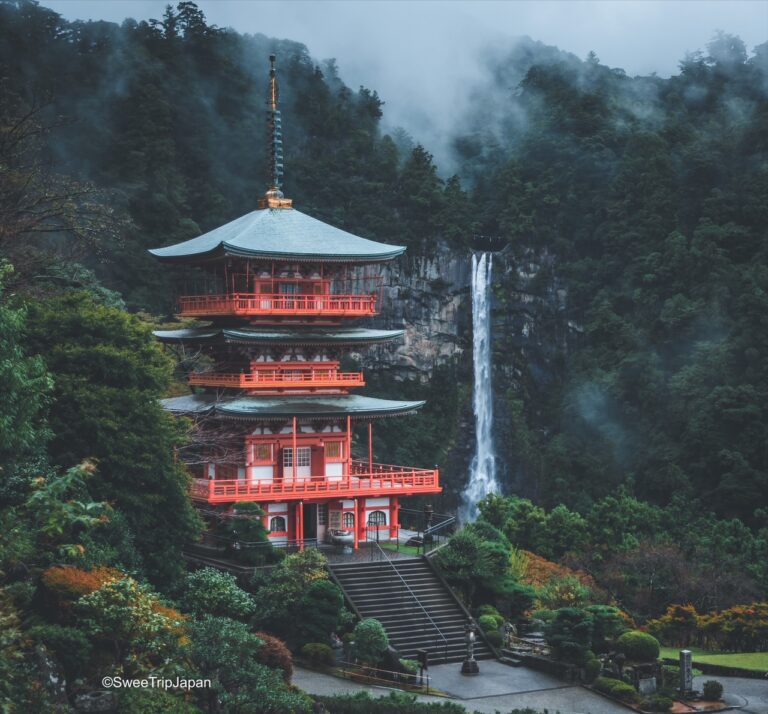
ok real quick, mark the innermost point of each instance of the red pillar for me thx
(360, 519)
(295, 455)
(349, 446)
(300, 524)
(394, 517)
(356, 529)
(370, 447)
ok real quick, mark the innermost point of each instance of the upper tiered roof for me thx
(279, 234)
(281, 335)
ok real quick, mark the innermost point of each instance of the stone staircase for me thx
(417, 610)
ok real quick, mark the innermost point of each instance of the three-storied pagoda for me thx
(281, 291)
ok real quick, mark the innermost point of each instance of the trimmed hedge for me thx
(638, 646)
(616, 688)
(318, 653)
(495, 638)
(395, 703)
(592, 669)
(657, 703)
(488, 623)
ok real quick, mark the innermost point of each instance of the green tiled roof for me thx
(279, 233)
(286, 407)
(281, 335)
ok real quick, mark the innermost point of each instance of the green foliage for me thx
(26, 390)
(214, 592)
(493, 612)
(152, 701)
(570, 635)
(638, 646)
(608, 625)
(488, 623)
(227, 652)
(278, 595)
(321, 608)
(109, 373)
(563, 591)
(393, 703)
(712, 690)
(70, 645)
(657, 703)
(592, 670)
(616, 688)
(370, 640)
(248, 540)
(319, 654)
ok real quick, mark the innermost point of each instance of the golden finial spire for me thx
(274, 196)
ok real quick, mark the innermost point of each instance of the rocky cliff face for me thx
(430, 298)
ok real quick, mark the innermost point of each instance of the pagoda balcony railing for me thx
(280, 378)
(278, 304)
(365, 480)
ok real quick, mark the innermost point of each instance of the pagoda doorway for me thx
(303, 467)
(310, 521)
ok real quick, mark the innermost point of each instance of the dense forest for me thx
(646, 444)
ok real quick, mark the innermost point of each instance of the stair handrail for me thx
(415, 599)
(439, 526)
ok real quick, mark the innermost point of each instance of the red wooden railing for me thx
(279, 378)
(277, 304)
(382, 480)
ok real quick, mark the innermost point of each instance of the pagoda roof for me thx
(281, 335)
(285, 407)
(278, 234)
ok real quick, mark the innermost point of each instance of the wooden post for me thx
(349, 447)
(356, 525)
(295, 459)
(394, 524)
(370, 447)
(300, 521)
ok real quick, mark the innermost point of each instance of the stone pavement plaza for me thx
(498, 688)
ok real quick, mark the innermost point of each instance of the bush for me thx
(488, 623)
(395, 703)
(318, 653)
(713, 690)
(657, 703)
(570, 635)
(370, 640)
(213, 592)
(592, 670)
(274, 654)
(320, 608)
(491, 610)
(638, 646)
(71, 582)
(616, 688)
(495, 638)
(152, 701)
(70, 645)
(410, 665)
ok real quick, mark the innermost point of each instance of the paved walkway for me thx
(749, 694)
(498, 688)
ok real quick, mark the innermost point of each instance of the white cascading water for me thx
(482, 471)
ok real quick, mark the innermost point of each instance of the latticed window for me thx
(287, 458)
(332, 450)
(322, 514)
(377, 518)
(277, 524)
(262, 453)
(348, 520)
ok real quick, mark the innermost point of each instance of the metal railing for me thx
(277, 304)
(383, 555)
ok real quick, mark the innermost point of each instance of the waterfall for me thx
(482, 471)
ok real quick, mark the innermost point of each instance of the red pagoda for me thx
(275, 412)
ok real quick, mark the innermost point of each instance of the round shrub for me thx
(492, 611)
(657, 703)
(495, 638)
(70, 645)
(318, 653)
(275, 654)
(638, 646)
(713, 690)
(487, 623)
(371, 640)
(320, 608)
(592, 670)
